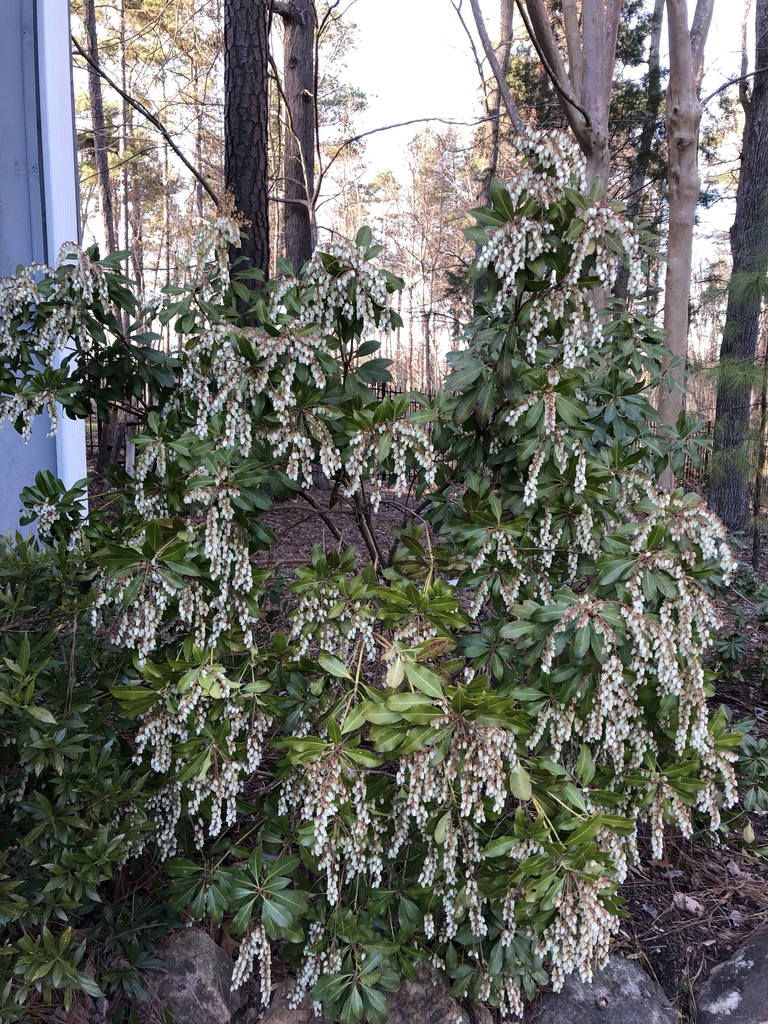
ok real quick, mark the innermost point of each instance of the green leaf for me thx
(441, 828)
(502, 200)
(357, 716)
(333, 666)
(500, 847)
(423, 679)
(376, 1006)
(41, 714)
(520, 784)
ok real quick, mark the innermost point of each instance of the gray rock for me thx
(737, 991)
(279, 1012)
(424, 1001)
(196, 981)
(622, 993)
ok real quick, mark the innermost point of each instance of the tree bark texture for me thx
(650, 120)
(493, 109)
(683, 119)
(584, 88)
(246, 122)
(634, 197)
(729, 474)
(100, 151)
(493, 112)
(300, 131)
(499, 67)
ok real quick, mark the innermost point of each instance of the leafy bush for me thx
(444, 753)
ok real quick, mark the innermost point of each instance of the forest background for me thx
(260, 107)
(409, 129)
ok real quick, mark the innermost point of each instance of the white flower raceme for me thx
(334, 620)
(509, 248)
(395, 437)
(209, 255)
(340, 279)
(151, 459)
(27, 406)
(255, 946)
(17, 293)
(581, 933)
(550, 163)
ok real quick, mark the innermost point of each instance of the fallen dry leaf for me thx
(688, 904)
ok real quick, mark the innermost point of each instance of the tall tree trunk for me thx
(299, 87)
(493, 112)
(729, 474)
(591, 30)
(762, 439)
(683, 118)
(634, 197)
(410, 338)
(124, 132)
(246, 121)
(100, 152)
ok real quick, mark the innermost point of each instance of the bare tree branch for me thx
(286, 11)
(322, 513)
(734, 81)
(501, 80)
(153, 120)
(388, 127)
(478, 61)
(702, 19)
(554, 68)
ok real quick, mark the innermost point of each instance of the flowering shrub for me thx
(444, 754)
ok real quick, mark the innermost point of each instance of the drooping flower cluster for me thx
(209, 255)
(184, 710)
(550, 164)
(334, 620)
(254, 947)
(552, 161)
(17, 294)
(579, 937)
(340, 279)
(371, 446)
(137, 626)
(508, 249)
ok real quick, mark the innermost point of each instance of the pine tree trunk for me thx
(300, 132)
(729, 474)
(100, 152)
(246, 121)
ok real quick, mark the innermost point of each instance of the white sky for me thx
(413, 60)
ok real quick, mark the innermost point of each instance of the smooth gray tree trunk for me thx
(300, 133)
